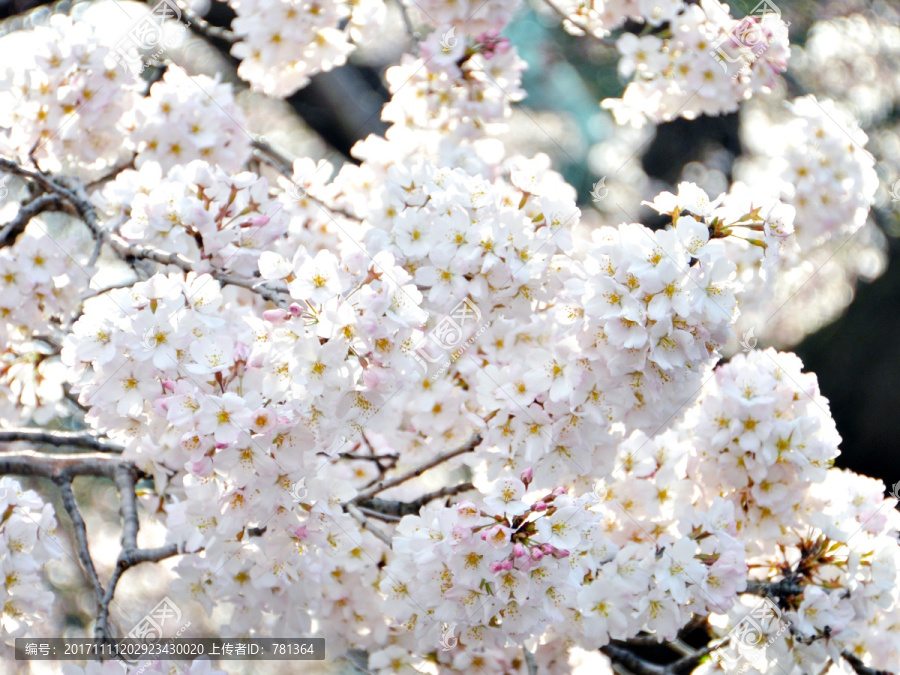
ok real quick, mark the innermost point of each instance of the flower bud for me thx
(275, 316)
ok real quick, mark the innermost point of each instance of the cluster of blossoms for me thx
(762, 433)
(574, 557)
(453, 94)
(283, 43)
(815, 159)
(281, 357)
(38, 284)
(65, 99)
(709, 63)
(186, 118)
(817, 162)
(200, 211)
(27, 525)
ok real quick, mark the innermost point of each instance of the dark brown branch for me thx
(77, 439)
(774, 589)
(62, 468)
(418, 471)
(861, 668)
(128, 252)
(631, 661)
(81, 542)
(400, 509)
(58, 466)
(202, 27)
(15, 227)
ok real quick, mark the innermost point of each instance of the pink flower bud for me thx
(496, 567)
(241, 351)
(257, 221)
(560, 491)
(527, 476)
(295, 309)
(547, 549)
(507, 564)
(560, 553)
(536, 553)
(168, 385)
(221, 446)
(519, 550)
(275, 316)
(539, 506)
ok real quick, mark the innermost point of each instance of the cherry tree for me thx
(421, 404)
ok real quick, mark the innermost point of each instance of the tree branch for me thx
(366, 524)
(400, 509)
(861, 668)
(202, 27)
(15, 227)
(631, 661)
(440, 459)
(774, 589)
(78, 439)
(77, 197)
(81, 542)
(277, 159)
(61, 469)
(57, 466)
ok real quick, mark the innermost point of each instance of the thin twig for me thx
(384, 517)
(407, 22)
(204, 28)
(418, 471)
(277, 159)
(366, 524)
